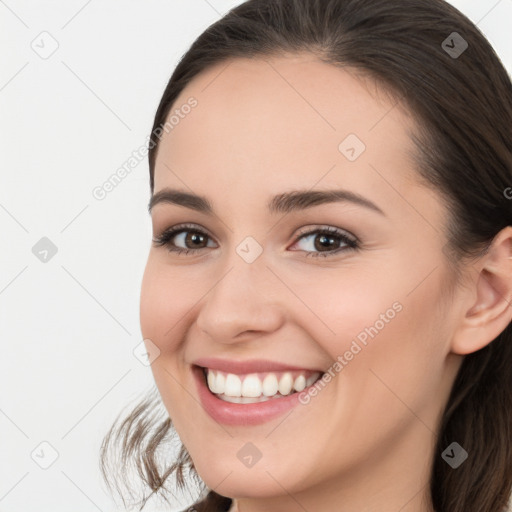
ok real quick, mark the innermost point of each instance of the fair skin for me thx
(366, 441)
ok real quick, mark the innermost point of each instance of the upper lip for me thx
(247, 366)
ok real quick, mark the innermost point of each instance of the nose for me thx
(243, 302)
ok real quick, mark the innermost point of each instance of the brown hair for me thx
(463, 105)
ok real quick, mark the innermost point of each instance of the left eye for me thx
(324, 240)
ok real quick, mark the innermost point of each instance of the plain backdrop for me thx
(79, 84)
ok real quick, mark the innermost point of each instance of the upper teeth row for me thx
(231, 384)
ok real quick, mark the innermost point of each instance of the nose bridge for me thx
(238, 300)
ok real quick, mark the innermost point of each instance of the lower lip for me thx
(241, 414)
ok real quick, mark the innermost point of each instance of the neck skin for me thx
(396, 479)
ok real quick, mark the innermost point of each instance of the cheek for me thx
(355, 303)
(400, 366)
(378, 325)
(165, 302)
(340, 306)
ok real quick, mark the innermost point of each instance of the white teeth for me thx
(312, 379)
(233, 385)
(300, 383)
(270, 385)
(250, 388)
(286, 384)
(212, 382)
(220, 382)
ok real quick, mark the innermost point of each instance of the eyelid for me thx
(302, 231)
(179, 228)
(351, 241)
(315, 228)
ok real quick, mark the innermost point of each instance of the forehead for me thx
(281, 121)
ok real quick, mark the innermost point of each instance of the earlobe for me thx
(491, 312)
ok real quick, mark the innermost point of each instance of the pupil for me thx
(195, 237)
(326, 241)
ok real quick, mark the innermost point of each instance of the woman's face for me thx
(264, 284)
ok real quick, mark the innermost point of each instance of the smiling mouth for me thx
(257, 387)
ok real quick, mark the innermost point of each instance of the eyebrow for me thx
(282, 203)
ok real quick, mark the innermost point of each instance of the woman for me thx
(328, 293)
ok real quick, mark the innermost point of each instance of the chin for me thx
(260, 481)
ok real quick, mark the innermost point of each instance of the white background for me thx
(69, 326)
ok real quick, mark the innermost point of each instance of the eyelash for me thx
(165, 239)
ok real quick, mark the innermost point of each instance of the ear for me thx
(486, 316)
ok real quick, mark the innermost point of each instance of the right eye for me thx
(182, 234)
